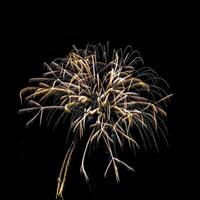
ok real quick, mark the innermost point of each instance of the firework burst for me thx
(109, 93)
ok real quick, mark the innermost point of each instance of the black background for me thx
(40, 33)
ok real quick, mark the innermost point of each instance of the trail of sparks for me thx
(114, 94)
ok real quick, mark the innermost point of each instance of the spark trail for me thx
(107, 87)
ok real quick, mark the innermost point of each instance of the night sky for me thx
(39, 34)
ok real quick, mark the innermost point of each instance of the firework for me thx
(110, 93)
